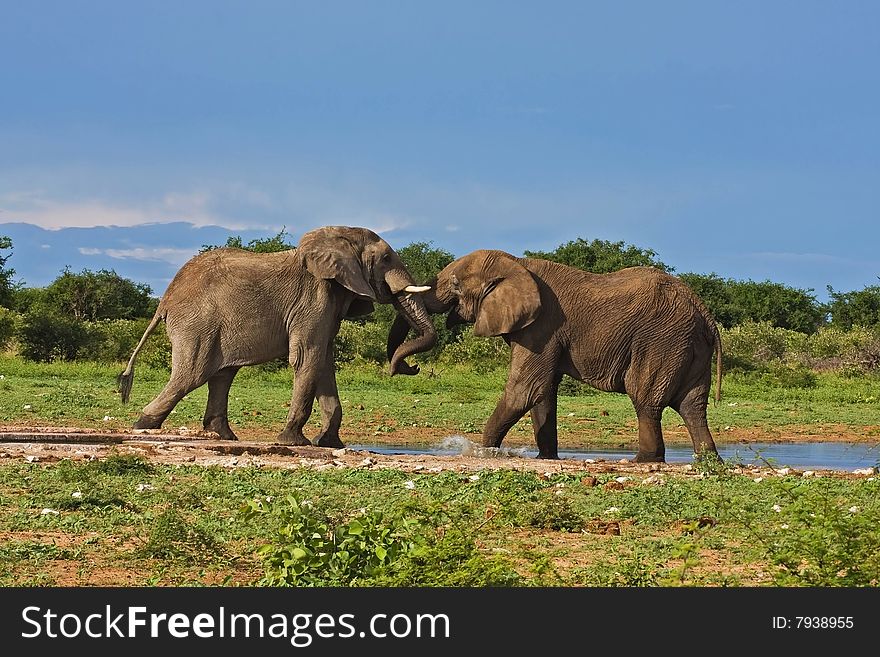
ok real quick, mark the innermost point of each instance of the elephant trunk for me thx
(411, 312)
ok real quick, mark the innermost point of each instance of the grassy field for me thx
(126, 521)
(438, 402)
(123, 521)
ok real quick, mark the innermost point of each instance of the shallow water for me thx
(818, 456)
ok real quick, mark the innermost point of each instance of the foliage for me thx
(423, 261)
(48, 336)
(7, 286)
(360, 340)
(482, 354)
(734, 302)
(172, 536)
(311, 550)
(600, 256)
(8, 323)
(820, 538)
(278, 242)
(856, 308)
(90, 296)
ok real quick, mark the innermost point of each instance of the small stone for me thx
(30, 458)
(621, 480)
(590, 482)
(409, 485)
(77, 494)
(339, 452)
(366, 463)
(49, 512)
(809, 473)
(613, 485)
(783, 471)
(865, 471)
(142, 487)
(474, 477)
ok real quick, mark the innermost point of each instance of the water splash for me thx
(459, 445)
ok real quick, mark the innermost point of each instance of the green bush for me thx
(308, 549)
(361, 340)
(8, 323)
(48, 336)
(483, 354)
(820, 538)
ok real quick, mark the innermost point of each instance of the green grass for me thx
(441, 400)
(142, 524)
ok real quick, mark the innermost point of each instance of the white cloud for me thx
(161, 254)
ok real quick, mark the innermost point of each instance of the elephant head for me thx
(365, 264)
(488, 289)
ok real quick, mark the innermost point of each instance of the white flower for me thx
(306, 503)
(785, 526)
(76, 494)
(27, 407)
(777, 508)
(853, 509)
(560, 485)
(107, 418)
(142, 487)
(409, 485)
(474, 477)
(612, 509)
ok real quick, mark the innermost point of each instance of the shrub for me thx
(483, 354)
(360, 340)
(310, 550)
(8, 321)
(46, 337)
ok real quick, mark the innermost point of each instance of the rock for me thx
(865, 471)
(590, 482)
(613, 485)
(30, 458)
(808, 473)
(783, 471)
(339, 452)
(654, 480)
(622, 479)
(49, 512)
(366, 463)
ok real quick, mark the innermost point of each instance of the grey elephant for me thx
(637, 331)
(227, 308)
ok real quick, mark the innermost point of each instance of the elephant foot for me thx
(650, 457)
(552, 456)
(328, 440)
(221, 427)
(294, 438)
(149, 422)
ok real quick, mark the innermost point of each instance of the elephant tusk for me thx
(417, 288)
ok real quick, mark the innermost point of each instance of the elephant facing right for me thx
(638, 331)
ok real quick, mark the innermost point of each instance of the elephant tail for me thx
(717, 364)
(125, 380)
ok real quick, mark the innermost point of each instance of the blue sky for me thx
(736, 137)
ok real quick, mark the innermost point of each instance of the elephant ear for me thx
(328, 254)
(512, 302)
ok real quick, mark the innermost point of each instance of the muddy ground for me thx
(52, 444)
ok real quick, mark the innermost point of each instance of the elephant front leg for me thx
(308, 372)
(331, 409)
(544, 416)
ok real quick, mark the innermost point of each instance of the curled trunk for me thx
(411, 313)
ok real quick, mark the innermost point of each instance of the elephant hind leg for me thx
(692, 409)
(217, 410)
(331, 409)
(652, 449)
(178, 387)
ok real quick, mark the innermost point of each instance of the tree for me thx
(423, 261)
(733, 302)
(89, 296)
(7, 286)
(857, 308)
(265, 245)
(600, 256)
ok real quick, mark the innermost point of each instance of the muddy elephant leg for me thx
(544, 423)
(693, 411)
(308, 366)
(651, 446)
(217, 409)
(331, 409)
(178, 387)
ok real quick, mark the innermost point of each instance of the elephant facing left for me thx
(227, 308)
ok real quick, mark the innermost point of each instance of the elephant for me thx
(227, 308)
(638, 331)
